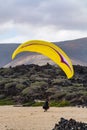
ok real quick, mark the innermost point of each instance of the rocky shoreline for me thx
(70, 124)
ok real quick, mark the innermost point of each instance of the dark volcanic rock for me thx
(32, 82)
(71, 124)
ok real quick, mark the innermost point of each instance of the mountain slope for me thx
(6, 51)
(75, 49)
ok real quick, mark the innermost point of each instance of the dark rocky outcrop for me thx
(70, 124)
(30, 82)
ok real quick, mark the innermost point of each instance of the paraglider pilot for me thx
(46, 105)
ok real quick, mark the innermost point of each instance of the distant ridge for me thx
(75, 49)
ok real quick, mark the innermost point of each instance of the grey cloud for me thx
(64, 14)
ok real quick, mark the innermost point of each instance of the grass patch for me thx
(38, 104)
(28, 104)
(63, 103)
(52, 104)
(33, 104)
(6, 101)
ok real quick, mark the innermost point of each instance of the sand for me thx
(34, 118)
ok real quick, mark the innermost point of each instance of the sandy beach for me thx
(34, 118)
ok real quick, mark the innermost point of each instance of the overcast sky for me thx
(51, 20)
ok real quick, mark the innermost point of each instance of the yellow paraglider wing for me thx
(50, 50)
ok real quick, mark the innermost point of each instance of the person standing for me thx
(46, 105)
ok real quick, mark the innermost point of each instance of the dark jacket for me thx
(46, 105)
